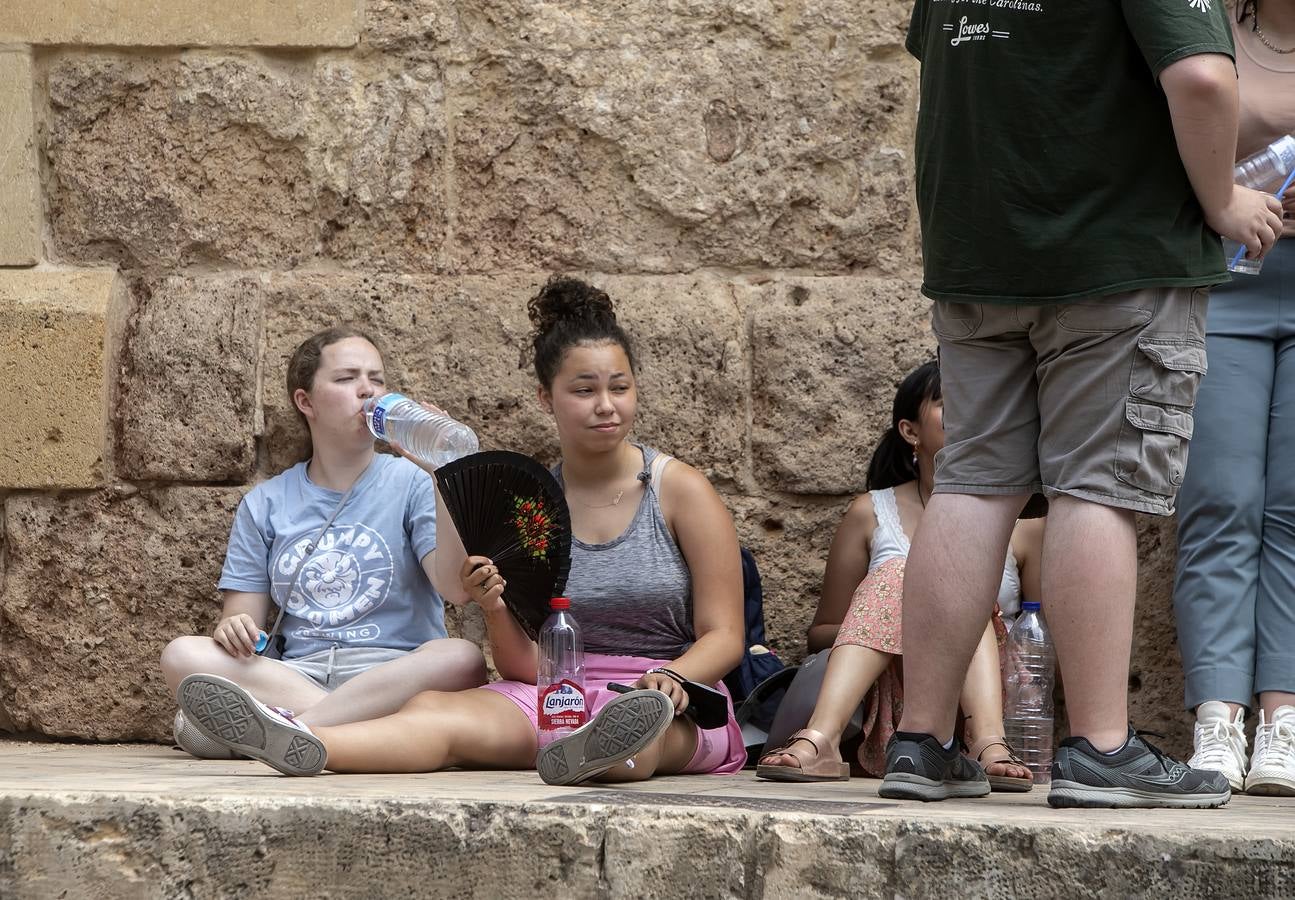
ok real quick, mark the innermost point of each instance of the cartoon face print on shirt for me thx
(346, 578)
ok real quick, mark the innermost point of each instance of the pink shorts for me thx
(720, 751)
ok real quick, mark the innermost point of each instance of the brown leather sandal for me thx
(1008, 784)
(816, 769)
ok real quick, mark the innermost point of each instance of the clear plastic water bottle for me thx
(1031, 667)
(560, 684)
(432, 437)
(1265, 170)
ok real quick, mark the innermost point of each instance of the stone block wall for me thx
(190, 190)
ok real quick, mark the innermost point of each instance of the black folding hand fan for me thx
(508, 507)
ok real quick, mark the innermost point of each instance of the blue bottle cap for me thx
(1031, 606)
(262, 639)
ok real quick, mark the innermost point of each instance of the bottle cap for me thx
(560, 603)
(1031, 606)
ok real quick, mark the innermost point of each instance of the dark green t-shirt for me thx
(1046, 161)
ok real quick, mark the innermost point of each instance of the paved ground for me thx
(114, 815)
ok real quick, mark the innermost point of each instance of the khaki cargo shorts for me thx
(1090, 399)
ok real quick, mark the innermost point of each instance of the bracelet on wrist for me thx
(671, 673)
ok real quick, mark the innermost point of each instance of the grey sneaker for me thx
(1138, 775)
(919, 768)
(622, 728)
(230, 716)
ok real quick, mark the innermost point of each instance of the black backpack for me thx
(754, 667)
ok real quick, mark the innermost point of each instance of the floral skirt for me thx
(875, 620)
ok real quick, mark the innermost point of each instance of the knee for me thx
(425, 702)
(184, 656)
(458, 662)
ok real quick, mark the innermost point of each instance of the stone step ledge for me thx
(145, 821)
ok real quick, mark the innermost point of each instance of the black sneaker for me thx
(1139, 775)
(919, 768)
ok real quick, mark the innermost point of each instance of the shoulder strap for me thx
(310, 551)
(655, 470)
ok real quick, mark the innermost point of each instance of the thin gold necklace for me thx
(1263, 38)
(615, 502)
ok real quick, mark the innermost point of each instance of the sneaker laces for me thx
(1214, 745)
(1280, 743)
(1167, 762)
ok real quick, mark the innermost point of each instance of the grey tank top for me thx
(632, 596)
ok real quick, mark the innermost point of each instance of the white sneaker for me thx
(1273, 771)
(1219, 742)
(231, 717)
(195, 743)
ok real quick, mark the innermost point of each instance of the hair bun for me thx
(566, 299)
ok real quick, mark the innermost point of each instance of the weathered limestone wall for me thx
(189, 189)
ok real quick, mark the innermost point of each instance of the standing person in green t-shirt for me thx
(1074, 170)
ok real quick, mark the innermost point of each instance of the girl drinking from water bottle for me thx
(362, 628)
(655, 585)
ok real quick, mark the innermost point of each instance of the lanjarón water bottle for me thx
(432, 437)
(560, 682)
(1031, 667)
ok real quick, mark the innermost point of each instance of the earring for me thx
(914, 454)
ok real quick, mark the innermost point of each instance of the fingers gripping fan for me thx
(508, 507)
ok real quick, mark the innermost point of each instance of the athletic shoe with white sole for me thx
(230, 716)
(918, 767)
(1136, 775)
(625, 726)
(1219, 743)
(1272, 771)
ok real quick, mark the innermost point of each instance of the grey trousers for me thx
(1234, 593)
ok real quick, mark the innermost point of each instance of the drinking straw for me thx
(1241, 251)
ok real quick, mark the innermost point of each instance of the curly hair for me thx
(567, 312)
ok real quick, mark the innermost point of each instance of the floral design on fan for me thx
(534, 522)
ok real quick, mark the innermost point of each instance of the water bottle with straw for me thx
(1262, 171)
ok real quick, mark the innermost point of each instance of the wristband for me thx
(662, 670)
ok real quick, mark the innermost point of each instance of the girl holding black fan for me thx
(655, 581)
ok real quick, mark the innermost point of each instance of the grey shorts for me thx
(334, 667)
(1090, 399)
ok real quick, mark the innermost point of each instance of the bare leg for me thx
(448, 664)
(953, 572)
(475, 729)
(851, 671)
(1270, 701)
(1090, 568)
(982, 706)
(269, 680)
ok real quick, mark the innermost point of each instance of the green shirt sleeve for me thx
(916, 29)
(1169, 30)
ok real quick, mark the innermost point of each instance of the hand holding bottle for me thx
(421, 432)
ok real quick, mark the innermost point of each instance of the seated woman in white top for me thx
(859, 617)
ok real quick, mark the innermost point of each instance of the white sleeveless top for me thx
(890, 542)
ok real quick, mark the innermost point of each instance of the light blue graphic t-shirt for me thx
(363, 585)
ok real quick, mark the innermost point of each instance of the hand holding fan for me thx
(508, 507)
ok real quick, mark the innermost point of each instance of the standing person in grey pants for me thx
(1234, 594)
